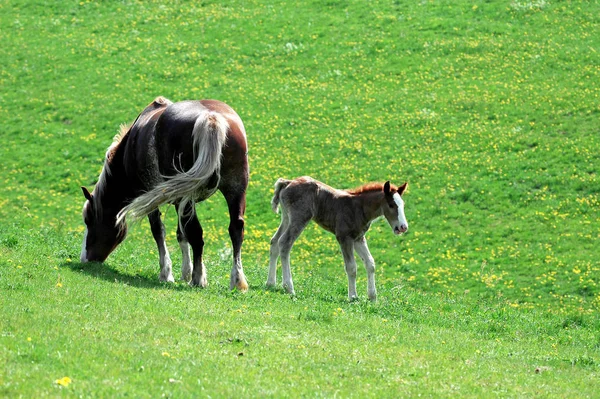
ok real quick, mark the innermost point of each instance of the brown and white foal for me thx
(346, 213)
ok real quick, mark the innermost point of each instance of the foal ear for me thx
(386, 187)
(402, 188)
(86, 194)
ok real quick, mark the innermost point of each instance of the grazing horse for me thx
(174, 153)
(346, 213)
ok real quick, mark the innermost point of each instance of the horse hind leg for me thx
(186, 261)
(296, 225)
(158, 232)
(192, 231)
(274, 250)
(236, 203)
(347, 247)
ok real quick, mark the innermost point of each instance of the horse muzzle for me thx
(400, 229)
(90, 257)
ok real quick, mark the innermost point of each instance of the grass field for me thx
(489, 109)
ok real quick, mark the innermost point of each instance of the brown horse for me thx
(174, 153)
(346, 213)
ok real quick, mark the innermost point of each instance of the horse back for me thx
(140, 159)
(329, 207)
(234, 169)
(174, 138)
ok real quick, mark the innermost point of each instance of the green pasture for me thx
(489, 109)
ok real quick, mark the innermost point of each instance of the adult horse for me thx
(174, 153)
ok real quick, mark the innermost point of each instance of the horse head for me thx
(393, 208)
(102, 234)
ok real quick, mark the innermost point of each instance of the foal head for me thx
(102, 234)
(393, 207)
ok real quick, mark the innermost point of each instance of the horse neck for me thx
(112, 189)
(370, 201)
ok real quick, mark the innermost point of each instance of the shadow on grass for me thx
(105, 271)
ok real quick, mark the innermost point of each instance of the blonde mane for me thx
(123, 130)
(110, 152)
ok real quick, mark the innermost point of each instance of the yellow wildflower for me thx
(65, 381)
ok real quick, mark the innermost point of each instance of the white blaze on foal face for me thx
(402, 223)
(394, 207)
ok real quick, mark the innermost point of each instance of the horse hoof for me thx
(242, 285)
(201, 284)
(168, 279)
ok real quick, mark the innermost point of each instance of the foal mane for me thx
(369, 188)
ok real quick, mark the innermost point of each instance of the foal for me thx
(346, 213)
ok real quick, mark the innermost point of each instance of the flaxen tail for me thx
(280, 184)
(209, 135)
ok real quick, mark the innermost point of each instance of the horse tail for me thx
(280, 184)
(185, 188)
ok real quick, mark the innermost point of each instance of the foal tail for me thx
(280, 184)
(209, 135)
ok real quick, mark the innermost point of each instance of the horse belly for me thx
(326, 219)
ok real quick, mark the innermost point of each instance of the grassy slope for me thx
(489, 110)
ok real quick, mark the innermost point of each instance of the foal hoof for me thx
(289, 290)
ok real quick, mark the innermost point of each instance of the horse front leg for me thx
(347, 247)
(236, 202)
(158, 232)
(192, 231)
(363, 251)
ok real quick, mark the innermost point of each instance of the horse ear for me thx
(386, 187)
(402, 188)
(86, 194)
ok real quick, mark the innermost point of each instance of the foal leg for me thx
(186, 261)
(192, 230)
(274, 251)
(158, 232)
(296, 225)
(347, 247)
(362, 249)
(236, 202)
